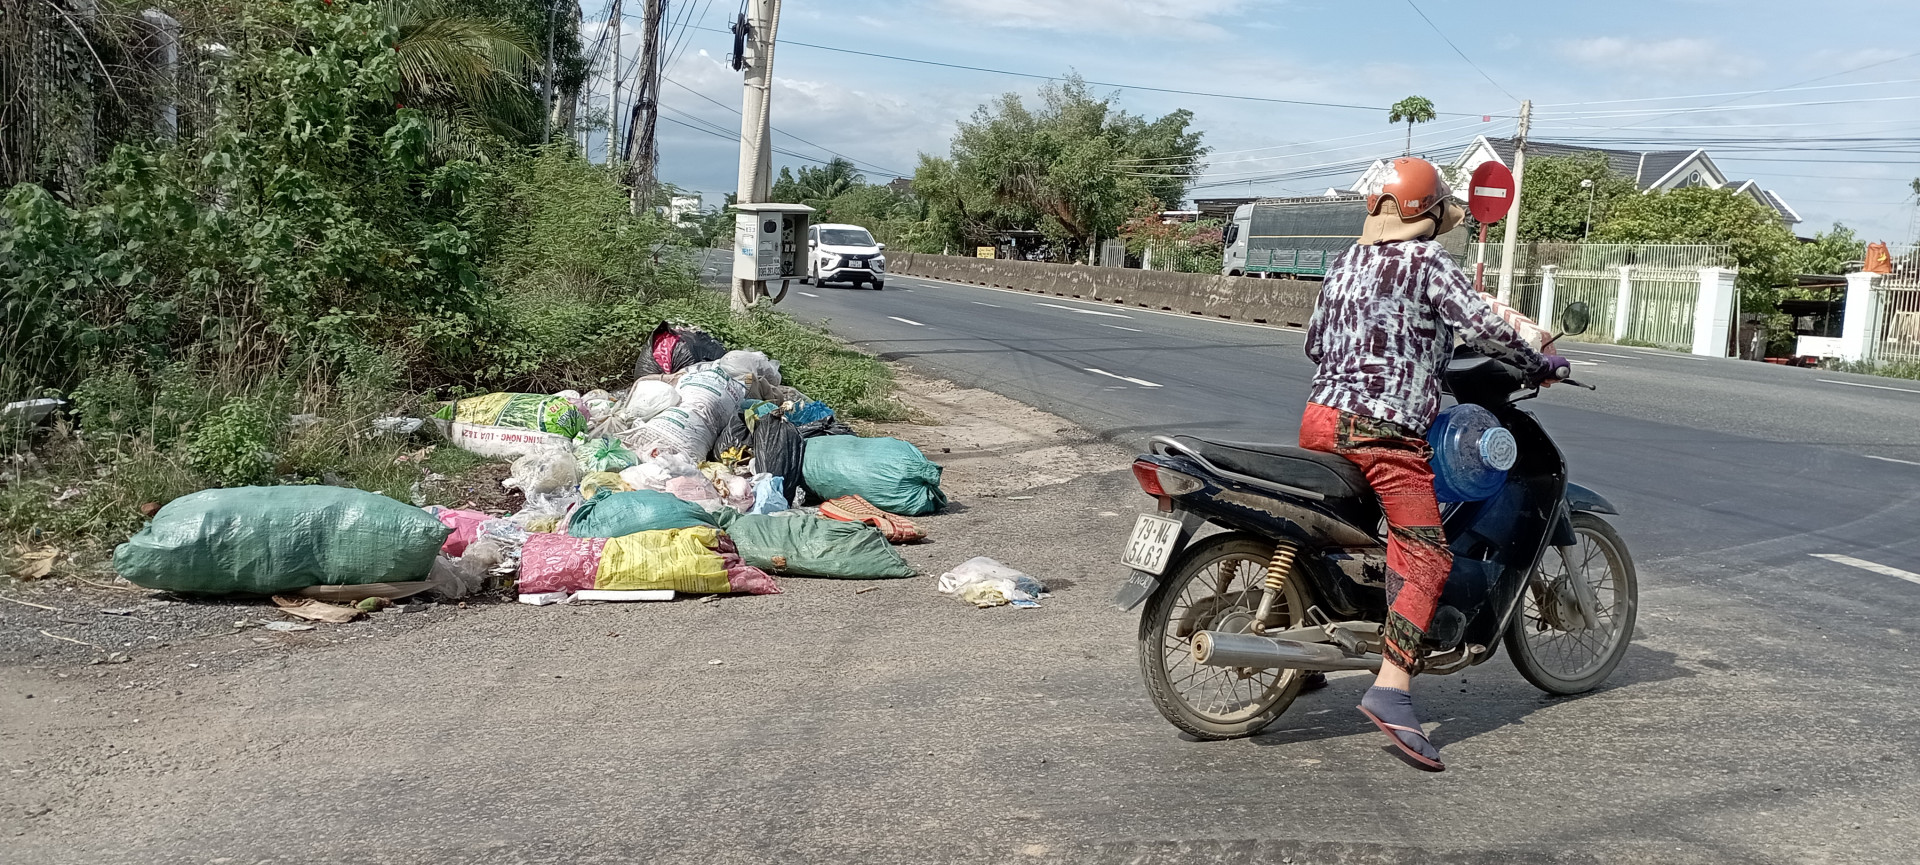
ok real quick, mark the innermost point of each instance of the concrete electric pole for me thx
(1512, 238)
(762, 23)
(642, 155)
(613, 100)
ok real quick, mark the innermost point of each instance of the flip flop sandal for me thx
(1393, 732)
(854, 509)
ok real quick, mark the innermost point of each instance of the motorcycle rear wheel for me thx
(1562, 660)
(1216, 584)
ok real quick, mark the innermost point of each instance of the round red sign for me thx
(1490, 192)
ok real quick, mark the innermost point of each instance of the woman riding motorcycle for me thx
(1385, 323)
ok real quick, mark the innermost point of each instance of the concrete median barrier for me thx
(1266, 301)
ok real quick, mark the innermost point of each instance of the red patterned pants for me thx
(1395, 461)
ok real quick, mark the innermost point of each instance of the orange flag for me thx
(1878, 260)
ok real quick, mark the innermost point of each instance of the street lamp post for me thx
(1588, 186)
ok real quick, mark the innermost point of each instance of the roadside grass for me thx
(1904, 369)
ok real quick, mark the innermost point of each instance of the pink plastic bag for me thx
(465, 526)
(744, 578)
(559, 563)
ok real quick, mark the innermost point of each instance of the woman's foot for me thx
(1391, 709)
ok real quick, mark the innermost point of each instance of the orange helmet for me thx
(1415, 186)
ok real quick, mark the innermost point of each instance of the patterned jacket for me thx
(1385, 323)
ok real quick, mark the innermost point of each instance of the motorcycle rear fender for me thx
(1579, 500)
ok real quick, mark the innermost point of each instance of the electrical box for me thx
(770, 241)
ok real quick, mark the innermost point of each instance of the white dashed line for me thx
(1865, 565)
(983, 303)
(808, 294)
(906, 321)
(1118, 327)
(1585, 362)
(1600, 353)
(1874, 386)
(1139, 381)
(1083, 311)
(1891, 460)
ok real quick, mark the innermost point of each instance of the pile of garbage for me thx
(701, 477)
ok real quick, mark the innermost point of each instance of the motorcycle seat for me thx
(1328, 474)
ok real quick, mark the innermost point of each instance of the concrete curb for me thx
(1286, 302)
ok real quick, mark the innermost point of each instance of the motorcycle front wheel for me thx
(1216, 585)
(1549, 638)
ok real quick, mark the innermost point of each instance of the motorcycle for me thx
(1291, 576)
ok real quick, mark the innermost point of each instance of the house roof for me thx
(1643, 167)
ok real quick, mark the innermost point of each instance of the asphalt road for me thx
(1722, 462)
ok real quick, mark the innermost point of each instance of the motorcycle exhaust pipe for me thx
(1223, 649)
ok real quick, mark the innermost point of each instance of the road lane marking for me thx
(1585, 362)
(906, 321)
(1891, 460)
(1118, 327)
(1874, 386)
(1600, 353)
(808, 294)
(1139, 381)
(1865, 565)
(1083, 311)
(983, 303)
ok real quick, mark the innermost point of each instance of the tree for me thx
(815, 187)
(1829, 254)
(1760, 243)
(1557, 205)
(1411, 110)
(1072, 167)
(467, 72)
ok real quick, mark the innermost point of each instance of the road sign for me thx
(983, 252)
(1490, 192)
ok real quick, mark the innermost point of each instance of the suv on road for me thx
(844, 253)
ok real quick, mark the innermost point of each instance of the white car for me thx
(845, 253)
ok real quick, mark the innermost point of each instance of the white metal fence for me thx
(1662, 284)
(1896, 318)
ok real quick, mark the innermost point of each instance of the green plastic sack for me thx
(814, 547)
(615, 515)
(888, 472)
(603, 455)
(268, 540)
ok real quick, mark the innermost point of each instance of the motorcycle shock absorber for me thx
(1278, 569)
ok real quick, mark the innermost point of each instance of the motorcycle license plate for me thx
(1152, 543)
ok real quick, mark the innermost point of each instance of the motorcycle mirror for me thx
(1575, 318)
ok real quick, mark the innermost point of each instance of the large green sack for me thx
(814, 547)
(268, 540)
(888, 472)
(616, 515)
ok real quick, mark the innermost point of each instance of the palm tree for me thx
(826, 183)
(1411, 110)
(467, 74)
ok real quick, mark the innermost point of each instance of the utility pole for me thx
(641, 153)
(613, 100)
(762, 25)
(1512, 238)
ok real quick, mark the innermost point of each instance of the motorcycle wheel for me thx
(1216, 584)
(1562, 660)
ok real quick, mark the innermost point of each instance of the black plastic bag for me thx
(779, 450)
(691, 345)
(826, 426)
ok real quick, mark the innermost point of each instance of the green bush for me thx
(234, 445)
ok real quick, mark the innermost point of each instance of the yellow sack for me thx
(678, 559)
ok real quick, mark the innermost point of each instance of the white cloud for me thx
(1145, 18)
(1660, 56)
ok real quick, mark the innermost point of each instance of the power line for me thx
(1730, 93)
(1038, 77)
(1150, 162)
(876, 168)
(1463, 54)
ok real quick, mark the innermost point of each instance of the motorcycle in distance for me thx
(1293, 578)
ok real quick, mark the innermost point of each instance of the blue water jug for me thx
(1471, 454)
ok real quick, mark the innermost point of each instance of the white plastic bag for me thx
(649, 398)
(544, 472)
(750, 367)
(983, 582)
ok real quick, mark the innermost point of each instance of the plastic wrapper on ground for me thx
(983, 582)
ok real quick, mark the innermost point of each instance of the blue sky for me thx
(1574, 60)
